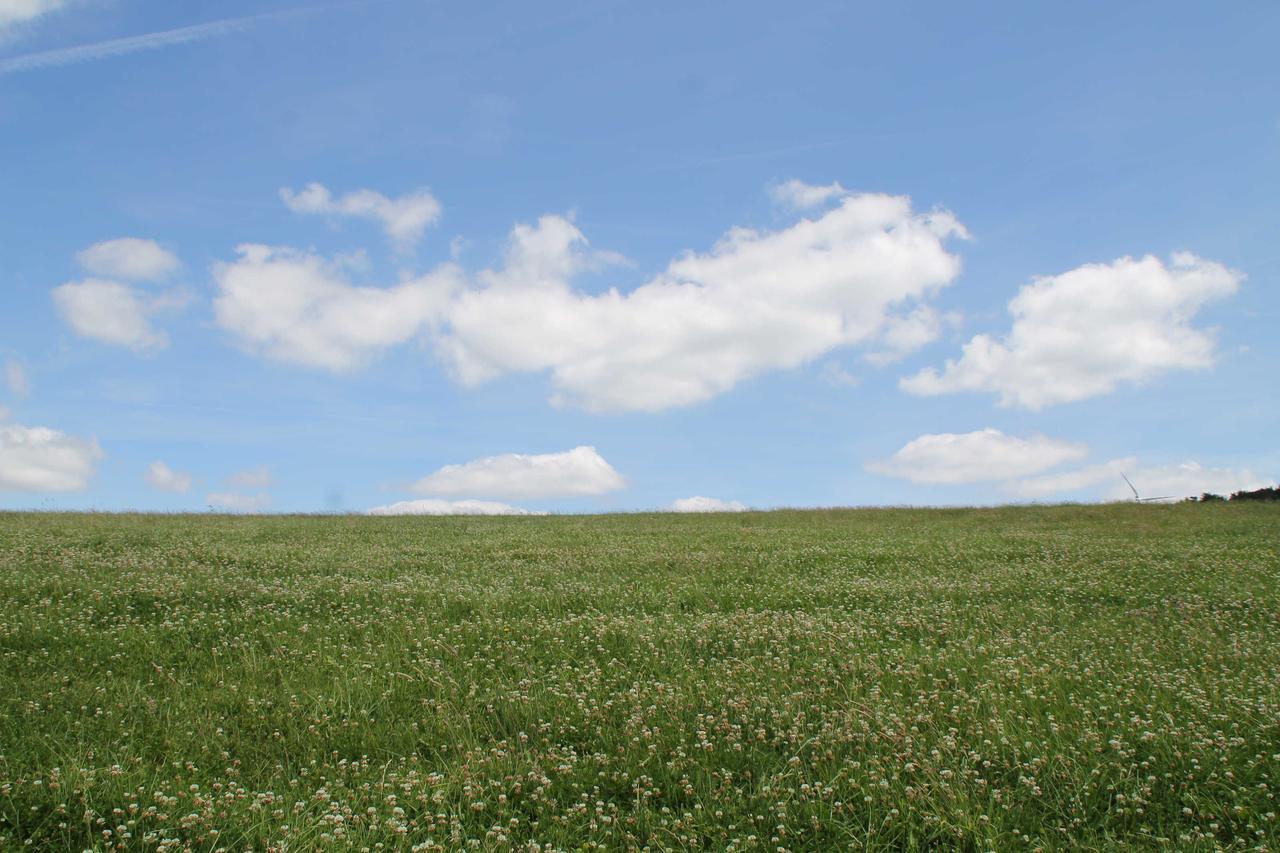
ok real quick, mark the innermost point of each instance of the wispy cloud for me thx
(134, 44)
(16, 12)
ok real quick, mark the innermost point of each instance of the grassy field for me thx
(1055, 678)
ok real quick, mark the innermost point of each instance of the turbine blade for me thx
(1136, 496)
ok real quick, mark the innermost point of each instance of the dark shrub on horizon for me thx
(1272, 493)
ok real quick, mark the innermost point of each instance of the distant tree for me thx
(1210, 497)
(1271, 493)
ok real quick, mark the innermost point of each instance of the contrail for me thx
(133, 44)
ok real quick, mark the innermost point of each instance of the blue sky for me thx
(612, 256)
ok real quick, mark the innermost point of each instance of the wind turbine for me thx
(1137, 498)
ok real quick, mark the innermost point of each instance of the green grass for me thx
(1061, 678)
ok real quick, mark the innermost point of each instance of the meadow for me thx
(1033, 678)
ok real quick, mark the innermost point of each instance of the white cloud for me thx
(581, 471)
(130, 258)
(704, 504)
(162, 477)
(39, 459)
(432, 506)
(1186, 479)
(971, 457)
(1082, 333)
(405, 219)
(110, 312)
(15, 376)
(905, 333)
(13, 12)
(114, 47)
(233, 502)
(252, 478)
(1072, 481)
(294, 306)
(800, 196)
(1183, 480)
(757, 302)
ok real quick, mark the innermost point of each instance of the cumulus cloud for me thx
(405, 219)
(1072, 481)
(699, 503)
(1182, 480)
(578, 472)
(295, 306)
(990, 455)
(104, 309)
(972, 457)
(798, 195)
(39, 459)
(234, 502)
(1086, 331)
(161, 476)
(433, 506)
(15, 376)
(1186, 479)
(14, 12)
(110, 312)
(757, 302)
(252, 478)
(904, 334)
(129, 258)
